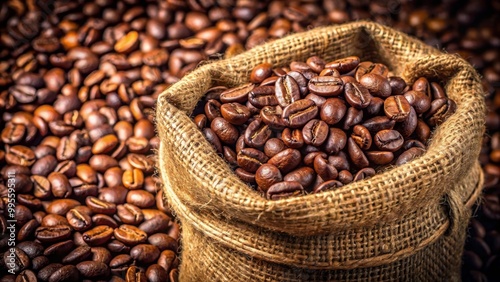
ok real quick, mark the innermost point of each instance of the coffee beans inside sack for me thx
(314, 126)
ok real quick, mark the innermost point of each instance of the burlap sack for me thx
(407, 223)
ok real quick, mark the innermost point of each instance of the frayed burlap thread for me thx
(406, 222)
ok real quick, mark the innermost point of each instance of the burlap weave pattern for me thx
(397, 223)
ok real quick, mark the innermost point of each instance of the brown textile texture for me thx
(408, 222)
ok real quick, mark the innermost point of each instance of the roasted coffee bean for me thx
(261, 72)
(397, 108)
(344, 65)
(267, 175)
(409, 155)
(78, 220)
(251, 159)
(212, 109)
(163, 242)
(328, 185)
(418, 100)
(20, 155)
(287, 90)
(65, 273)
(377, 85)
(379, 157)
(100, 206)
(60, 185)
(388, 140)
(272, 117)
(235, 113)
(364, 173)
(292, 138)
(93, 269)
(226, 132)
(315, 132)
(140, 198)
(352, 117)
(273, 146)
(333, 110)
(145, 253)
(357, 95)
(324, 169)
(213, 139)
(98, 235)
(262, 96)
(130, 234)
(256, 134)
(238, 94)
(59, 249)
(304, 175)
(284, 189)
(440, 110)
(286, 160)
(18, 259)
(326, 86)
(379, 123)
(80, 253)
(299, 113)
(53, 234)
(156, 273)
(135, 275)
(335, 142)
(356, 155)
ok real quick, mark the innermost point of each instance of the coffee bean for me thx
(304, 175)
(133, 179)
(135, 275)
(53, 234)
(409, 155)
(31, 248)
(332, 111)
(284, 189)
(286, 160)
(364, 173)
(93, 269)
(156, 273)
(324, 169)
(45, 273)
(273, 146)
(260, 72)
(140, 198)
(80, 253)
(299, 113)
(78, 220)
(226, 132)
(357, 95)
(376, 84)
(26, 276)
(389, 140)
(65, 273)
(100, 206)
(130, 234)
(256, 134)
(238, 94)
(356, 154)
(98, 235)
(145, 253)
(61, 206)
(315, 132)
(267, 175)
(344, 65)
(20, 155)
(397, 108)
(251, 159)
(59, 249)
(328, 185)
(326, 86)
(235, 113)
(287, 90)
(60, 185)
(262, 96)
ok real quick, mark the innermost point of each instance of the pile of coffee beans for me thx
(316, 125)
(49, 49)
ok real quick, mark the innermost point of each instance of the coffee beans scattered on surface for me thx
(315, 126)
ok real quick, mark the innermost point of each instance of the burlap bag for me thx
(408, 223)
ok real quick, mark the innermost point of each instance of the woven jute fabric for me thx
(406, 223)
